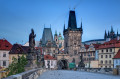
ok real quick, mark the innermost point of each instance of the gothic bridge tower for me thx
(72, 36)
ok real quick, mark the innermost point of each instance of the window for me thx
(106, 50)
(75, 52)
(109, 56)
(4, 54)
(101, 62)
(101, 56)
(56, 40)
(93, 54)
(109, 61)
(51, 63)
(4, 63)
(109, 66)
(102, 51)
(105, 56)
(84, 54)
(106, 62)
(110, 50)
(105, 66)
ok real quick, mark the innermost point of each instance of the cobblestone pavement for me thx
(67, 74)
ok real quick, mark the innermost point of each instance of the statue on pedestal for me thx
(32, 56)
(81, 63)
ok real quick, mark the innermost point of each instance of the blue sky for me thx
(17, 17)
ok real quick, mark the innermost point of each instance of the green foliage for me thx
(17, 66)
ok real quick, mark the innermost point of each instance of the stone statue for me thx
(73, 61)
(81, 63)
(31, 55)
(32, 40)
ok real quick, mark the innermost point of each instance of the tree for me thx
(17, 66)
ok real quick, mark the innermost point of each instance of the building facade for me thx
(116, 60)
(5, 47)
(106, 53)
(50, 62)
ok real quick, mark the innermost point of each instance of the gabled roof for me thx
(5, 45)
(19, 49)
(117, 55)
(48, 57)
(47, 35)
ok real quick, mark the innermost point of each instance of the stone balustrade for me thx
(31, 74)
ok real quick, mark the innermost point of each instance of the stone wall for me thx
(98, 70)
(31, 74)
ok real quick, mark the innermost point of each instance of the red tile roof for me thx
(5, 45)
(117, 55)
(48, 57)
(37, 48)
(110, 44)
(87, 46)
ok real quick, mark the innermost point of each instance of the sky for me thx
(17, 17)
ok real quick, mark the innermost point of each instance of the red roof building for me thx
(48, 57)
(5, 45)
(117, 56)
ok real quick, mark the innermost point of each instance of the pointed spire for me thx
(111, 30)
(72, 20)
(81, 24)
(105, 36)
(117, 32)
(64, 27)
(108, 34)
(55, 32)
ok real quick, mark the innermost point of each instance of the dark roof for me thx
(5, 45)
(19, 49)
(47, 35)
(72, 20)
(117, 55)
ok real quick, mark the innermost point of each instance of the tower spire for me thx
(108, 34)
(105, 36)
(117, 32)
(111, 29)
(72, 20)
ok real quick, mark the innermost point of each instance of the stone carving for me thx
(32, 40)
(73, 61)
(81, 63)
(31, 56)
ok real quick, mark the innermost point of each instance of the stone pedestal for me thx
(32, 61)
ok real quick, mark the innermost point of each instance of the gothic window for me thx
(101, 56)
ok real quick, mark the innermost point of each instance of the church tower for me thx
(56, 39)
(72, 36)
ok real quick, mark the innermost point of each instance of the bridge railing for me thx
(31, 74)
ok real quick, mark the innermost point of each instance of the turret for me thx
(105, 36)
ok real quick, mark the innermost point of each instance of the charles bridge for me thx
(36, 73)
